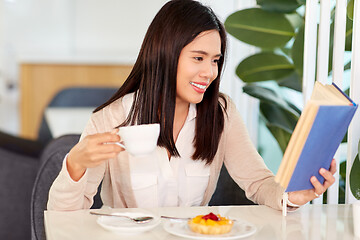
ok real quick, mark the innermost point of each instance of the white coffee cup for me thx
(139, 140)
(356, 218)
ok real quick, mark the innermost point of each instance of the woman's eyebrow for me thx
(205, 53)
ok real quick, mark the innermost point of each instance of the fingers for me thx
(333, 167)
(92, 151)
(329, 179)
(110, 148)
(96, 159)
(301, 197)
(318, 187)
(114, 131)
(95, 148)
(104, 137)
(102, 143)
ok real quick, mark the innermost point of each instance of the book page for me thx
(328, 95)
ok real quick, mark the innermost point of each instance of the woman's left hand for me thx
(304, 196)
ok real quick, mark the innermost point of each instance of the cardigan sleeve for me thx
(245, 165)
(66, 194)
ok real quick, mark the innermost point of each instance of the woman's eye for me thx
(216, 61)
(198, 58)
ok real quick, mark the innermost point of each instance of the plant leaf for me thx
(286, 50)
(278, 116)
(260, 28)
(263, 67)
(295, 19)
(292, 81)
(350, 9)
(297, 52)
(347, 66)
(355, 178)
(345, 138)
(348, 34)
(302, 2)
(295, 108)
(282, 136)
(285, 6)
(267, 95)
(331, 46)
(342, 171)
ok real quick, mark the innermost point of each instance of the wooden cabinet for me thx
(40, 82)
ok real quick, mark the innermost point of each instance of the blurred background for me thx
(46, 45)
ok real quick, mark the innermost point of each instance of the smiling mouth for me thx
(200, 86)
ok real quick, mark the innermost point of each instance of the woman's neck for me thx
(181, 112)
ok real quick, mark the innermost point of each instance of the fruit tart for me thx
(210, 224)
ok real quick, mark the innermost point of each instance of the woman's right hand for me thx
(91, 152)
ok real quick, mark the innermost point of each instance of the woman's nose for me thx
(207, 71)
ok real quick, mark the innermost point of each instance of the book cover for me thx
(317, 135)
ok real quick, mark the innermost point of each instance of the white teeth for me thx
(198, 85)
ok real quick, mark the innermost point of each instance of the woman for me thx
(174, 82)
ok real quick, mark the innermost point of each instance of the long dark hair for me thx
(153, 77)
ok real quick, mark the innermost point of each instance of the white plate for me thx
(240, 229)
(127, 226)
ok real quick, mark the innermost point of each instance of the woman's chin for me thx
(197, 99)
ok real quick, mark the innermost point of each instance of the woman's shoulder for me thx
(119, 105)
(226, 102)
(115, 113)
(231, 113)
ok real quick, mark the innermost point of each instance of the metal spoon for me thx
(176, 218)
(144, 219)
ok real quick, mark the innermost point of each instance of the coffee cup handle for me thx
(120, 144)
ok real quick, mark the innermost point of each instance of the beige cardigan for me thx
(235, 149)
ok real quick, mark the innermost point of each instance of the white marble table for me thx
(311, 222)
(67, 120)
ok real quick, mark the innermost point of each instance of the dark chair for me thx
(228, 192)
(50, 166)
(20, 161)
(17, 176)
(21, 146)
(68, 97)
(75, 97)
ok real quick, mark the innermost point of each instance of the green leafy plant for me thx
(355, 176)
(276, 27)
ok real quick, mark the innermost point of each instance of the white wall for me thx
(37, 26)
(112, 27)
(50, 29)
(2, 25)
(33, 27)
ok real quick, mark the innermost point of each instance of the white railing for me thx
(321, 59)
(354, 129)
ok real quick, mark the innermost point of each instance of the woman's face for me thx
(197, 67)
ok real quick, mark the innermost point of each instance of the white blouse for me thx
(158, 182)
(155, 181)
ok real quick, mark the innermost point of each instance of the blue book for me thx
(316, 137)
